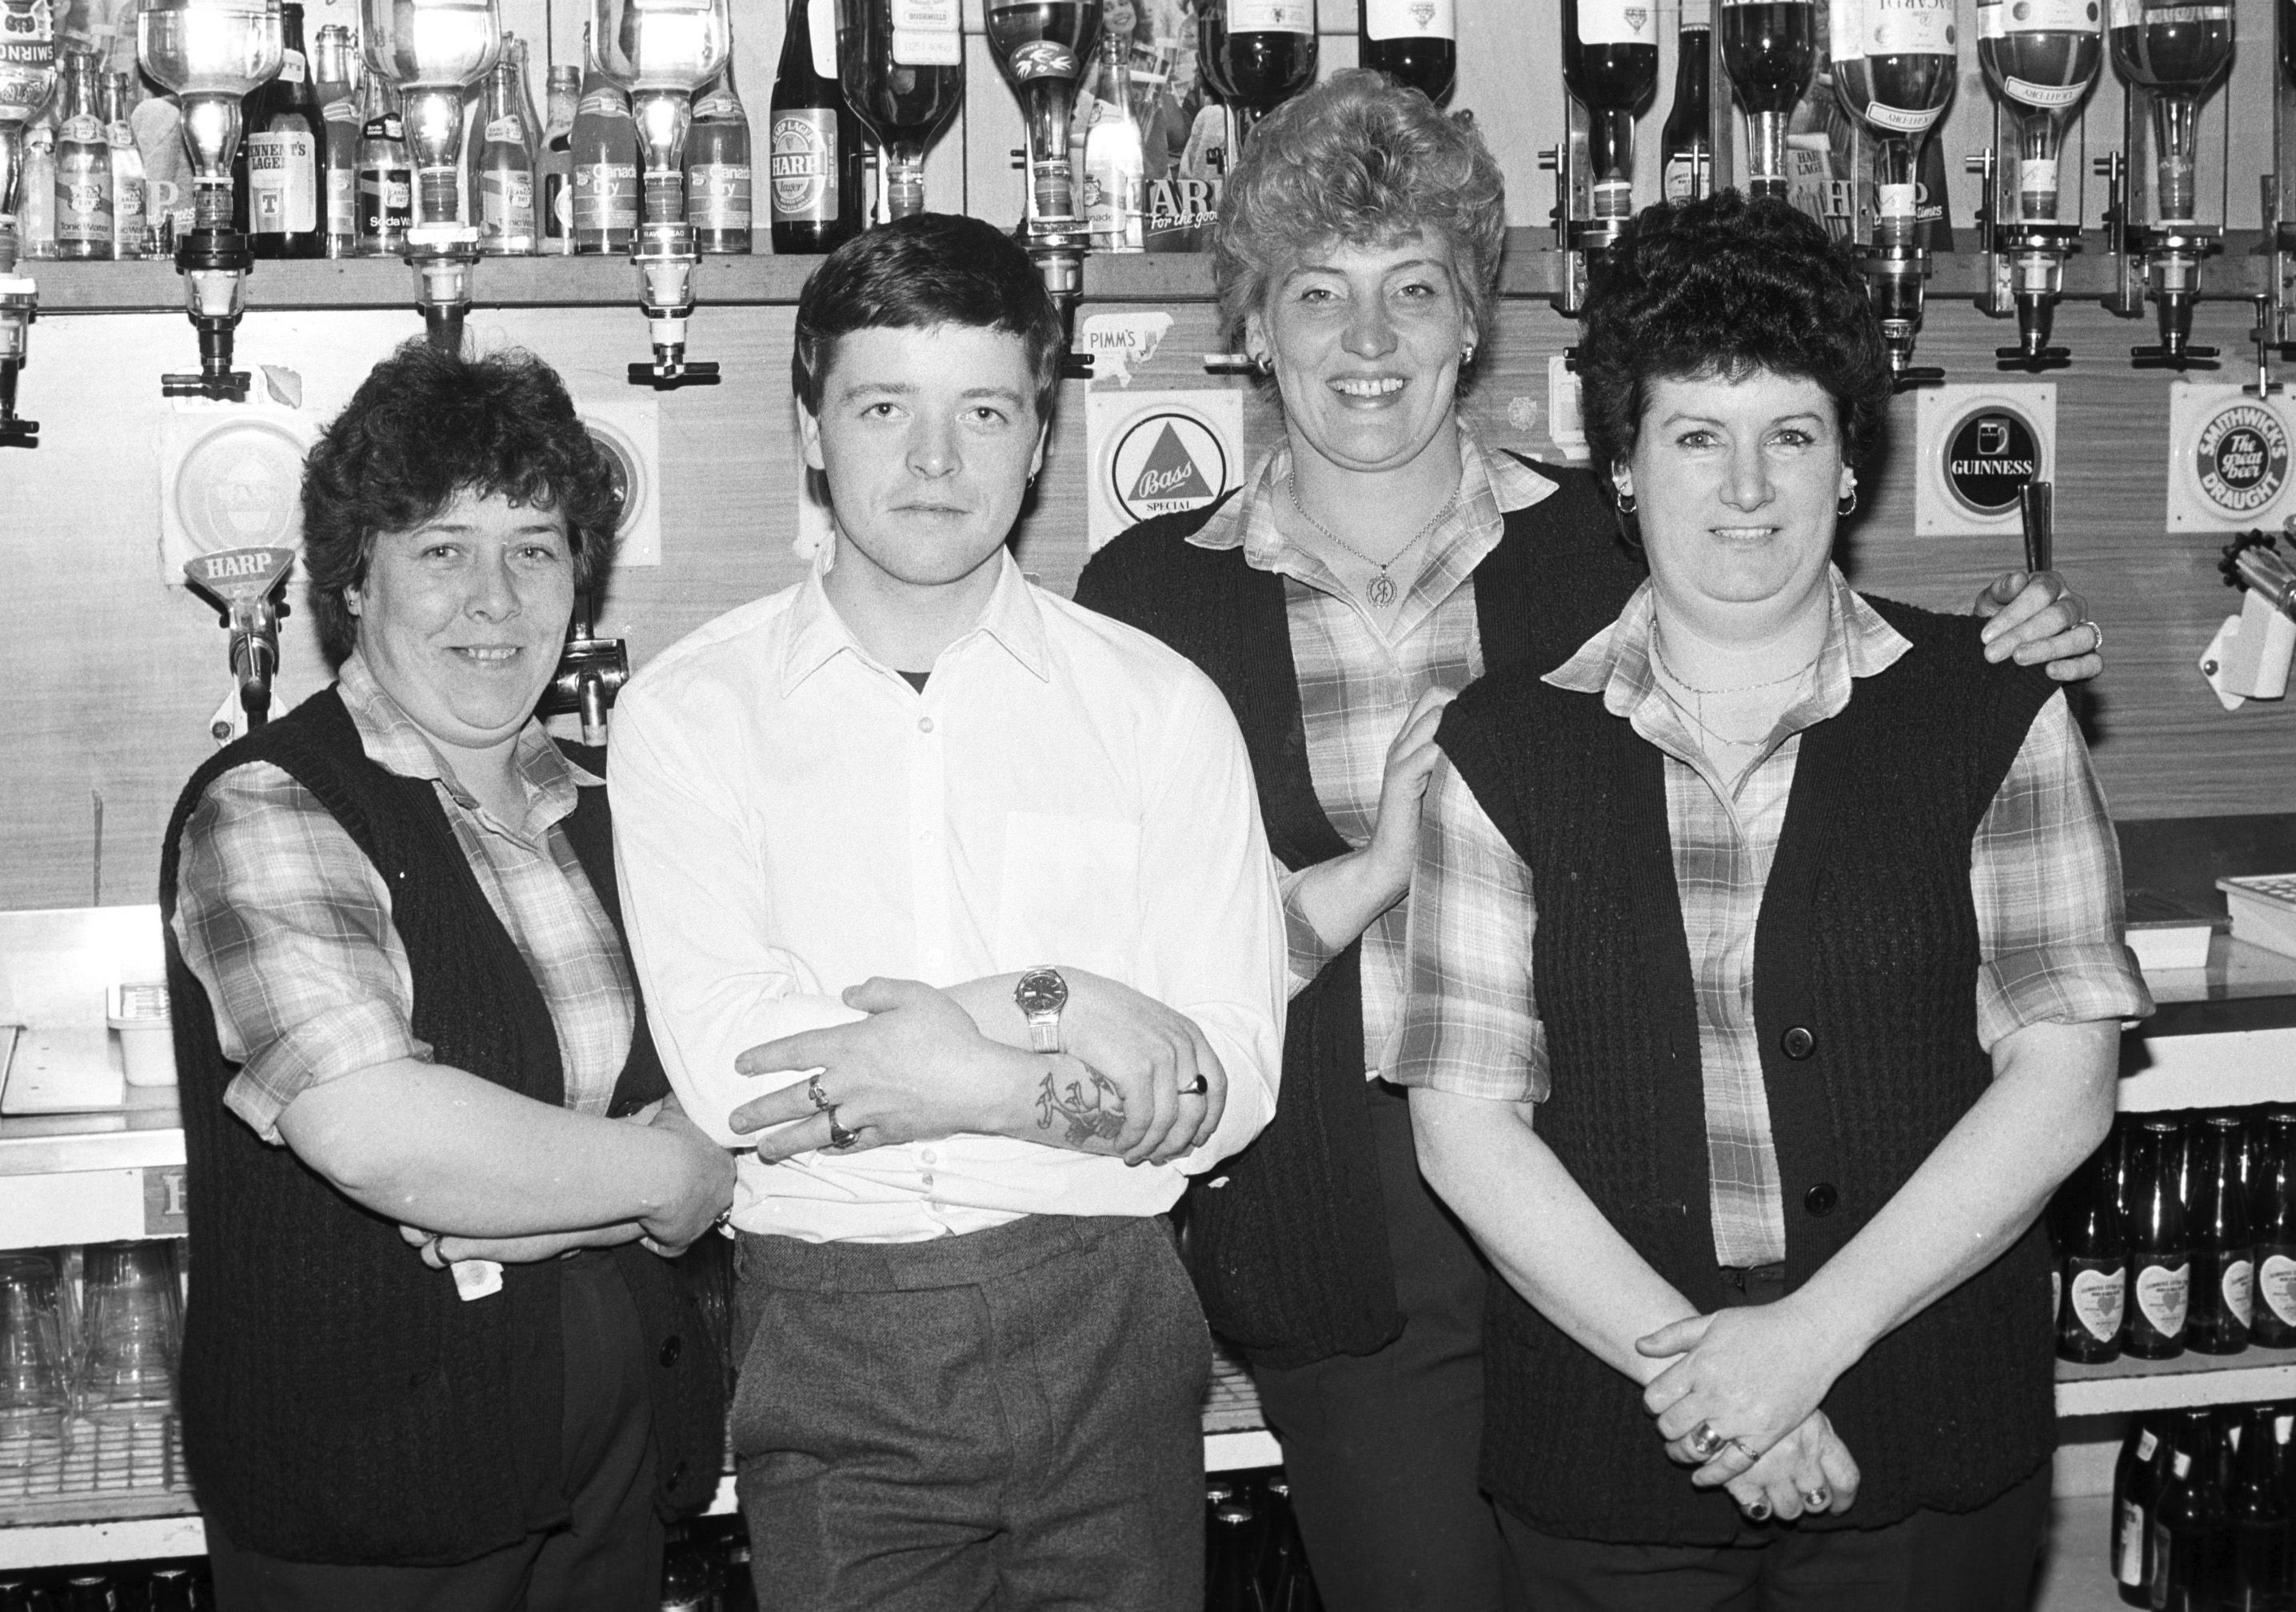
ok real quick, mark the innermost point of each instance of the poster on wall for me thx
(1158, 454)
(2227, 458)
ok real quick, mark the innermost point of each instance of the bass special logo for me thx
(2242, 458)
(1164, 463)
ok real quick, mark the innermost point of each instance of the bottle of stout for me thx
(2272, 1222)
(2223, 1261)
(2256, 1561)
(2159, 1248)
(2136, 1479)
(2092, 1261)
(2189, 1526)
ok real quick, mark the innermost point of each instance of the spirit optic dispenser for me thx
(1769, 48)
(1893, 71)
(2041, 57)
(27, 73)
(1041, 47)
(663, 50)
(1610, 67)
(2172, 56)
(433, 51)
(210, 52)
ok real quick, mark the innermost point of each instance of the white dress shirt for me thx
(792, 817)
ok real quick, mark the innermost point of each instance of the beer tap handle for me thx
(667, 377)
(2037, 514)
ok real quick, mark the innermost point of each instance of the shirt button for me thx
(926, 1180)
(927, 1157)
(924, 725)
(672, 1349)
(1820, 1200)
(1797, 1042)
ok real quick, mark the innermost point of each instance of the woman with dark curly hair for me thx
(1766, 978)
(437, 1357)
(1380, 558)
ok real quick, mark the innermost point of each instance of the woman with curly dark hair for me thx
(437, 1357)
(1381, 557)
(1766, 979)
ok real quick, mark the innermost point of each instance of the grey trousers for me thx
(1008, 1419)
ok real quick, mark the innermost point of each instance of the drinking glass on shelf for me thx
(132, 1311)
(35, 1395)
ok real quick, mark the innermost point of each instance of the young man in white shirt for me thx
(989, 867)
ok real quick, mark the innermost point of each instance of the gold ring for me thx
(1702, 1441)
(1197, 1087)
(820, 1098)
(839, 1138)
(1816, 1500)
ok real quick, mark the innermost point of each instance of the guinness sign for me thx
(1989, 457)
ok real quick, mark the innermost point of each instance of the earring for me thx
(1625, 501)
(1263, 364)
(1847, 505)
(1467, 355)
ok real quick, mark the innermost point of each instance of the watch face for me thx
(1041, 991)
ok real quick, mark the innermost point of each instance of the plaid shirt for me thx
(2044, 876)
(1357, 684)
(287, 923)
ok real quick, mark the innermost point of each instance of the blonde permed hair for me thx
(1362, 160)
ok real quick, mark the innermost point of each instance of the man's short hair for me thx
(426, 427)
(916, 274)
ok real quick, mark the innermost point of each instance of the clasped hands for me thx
(1739, 1402)
(1135, 1079)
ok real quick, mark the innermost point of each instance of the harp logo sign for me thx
(1167, 463)
(2242, 456)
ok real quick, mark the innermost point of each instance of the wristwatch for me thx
(1040, 996)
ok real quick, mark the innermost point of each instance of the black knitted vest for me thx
(1867, 949)
(340, 1403)
(1288, 1240)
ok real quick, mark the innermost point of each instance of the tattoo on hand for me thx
(1094, 1116)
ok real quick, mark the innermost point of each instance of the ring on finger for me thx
(839, 1138)
(1758, 1510)
(1197, 1087)
(2097, 632)
(1817, 1499)
(1744, 1449)
(1702, 1441)
(820, 1098)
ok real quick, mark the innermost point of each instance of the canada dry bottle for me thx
(2136, 1479)
(128, 214)
(553, 165)
(2272, 1222)
(2257, 1563)
(386, 174)
(506, 210)
(83, 186)
(2092, 1261)
(338, 106)
(286, 157)
(814, 188)
(720, 184)
(2159, 1250)
(2223, 1286)
(2189, 1533)
(605, 167)
(1686, 143)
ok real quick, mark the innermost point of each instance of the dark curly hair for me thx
(426, 427)
(1725, 286)
(1358, 158)
(915, 273)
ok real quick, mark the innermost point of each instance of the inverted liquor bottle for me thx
(2223, 1286)
(1041, 47)
(1258, 53)
(2272, 1222)
(1413, 42)
(1893, 71)
(2092, 1273)
(2160, 1247)
(901, 63)
(1768, 50)
(1609, 62)
(813, 192)
(1686, 143)
(2179, 54)
(2041, 57)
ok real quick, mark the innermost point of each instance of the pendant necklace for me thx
(1698, 715)
(1381, 591)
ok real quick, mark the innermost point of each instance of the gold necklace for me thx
(1381, 591)
(1697, 715)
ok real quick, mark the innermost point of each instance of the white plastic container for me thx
(138, 1012)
